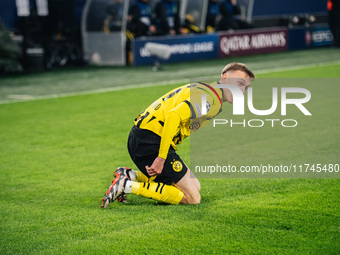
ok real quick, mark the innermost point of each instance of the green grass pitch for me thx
(57, 157)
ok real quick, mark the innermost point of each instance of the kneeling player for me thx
(157, 131)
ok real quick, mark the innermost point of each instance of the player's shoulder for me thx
(205, 87)
(194, 89)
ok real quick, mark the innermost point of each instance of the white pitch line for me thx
(296, 67)
(90, 92)
(26, 98)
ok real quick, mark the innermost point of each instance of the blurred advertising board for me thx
(182, 48)
(256, 41)
(302, 37)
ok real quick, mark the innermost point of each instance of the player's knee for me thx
(195, 199)
(192, 199)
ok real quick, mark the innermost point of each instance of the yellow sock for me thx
(158, 191)
(140, 177)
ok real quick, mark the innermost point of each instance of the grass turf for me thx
(57, 157)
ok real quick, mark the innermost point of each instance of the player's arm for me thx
(171, 124)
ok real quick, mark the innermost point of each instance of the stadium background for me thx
(63, 132)
(58, 33)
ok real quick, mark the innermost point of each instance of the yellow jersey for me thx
(178, 113)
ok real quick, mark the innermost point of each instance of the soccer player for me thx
(157, 131)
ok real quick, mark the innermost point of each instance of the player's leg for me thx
(133, 175)
(141, 185)
(143, 147)
(185, 191)
(185, 187)
(120, 187)
(176, 184)
(155, 190)
(190, 187)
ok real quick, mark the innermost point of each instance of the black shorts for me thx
(143, 146)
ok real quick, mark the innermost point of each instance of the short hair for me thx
(238, 66)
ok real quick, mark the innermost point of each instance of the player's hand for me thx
(156, 167)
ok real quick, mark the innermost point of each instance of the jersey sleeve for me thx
(171, 125)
